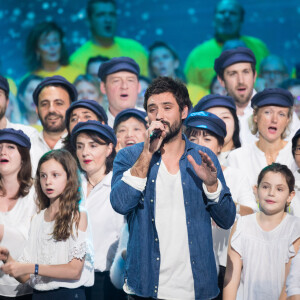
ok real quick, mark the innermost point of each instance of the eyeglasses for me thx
(297, 150)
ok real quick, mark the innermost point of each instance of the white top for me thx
(241, 193)
(293, 279)
(41, 248)
(16, 226)
(39, 147)
(294, 208)
(110, 119)
(106, 224)
(169, 191)
(251, 160)
(264, 255)
(175, 275)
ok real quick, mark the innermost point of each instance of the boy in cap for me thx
(120, 83)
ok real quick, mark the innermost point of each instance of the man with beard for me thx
(52, 98)
(102, 20)
(236, 72)
(169, 189)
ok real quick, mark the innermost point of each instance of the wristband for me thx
(36, 269)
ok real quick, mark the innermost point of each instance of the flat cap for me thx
(93, 126)
(55, 80)
(275, 96)
(118, 64)
(233, 56)
(208, 121)
(15, 136)
(214, 100)
(130, 112)
(92, 105)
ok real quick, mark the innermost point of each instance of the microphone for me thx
(155, 134)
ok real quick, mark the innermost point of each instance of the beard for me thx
(2, 112)
(174, 130)
(60, 127)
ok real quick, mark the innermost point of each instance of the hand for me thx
(207, 171)
(14, 269)
(4, 254)
(118, 147)
(155, 144)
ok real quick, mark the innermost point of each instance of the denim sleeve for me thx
(123, 197)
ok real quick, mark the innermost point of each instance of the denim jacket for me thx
(143, 256)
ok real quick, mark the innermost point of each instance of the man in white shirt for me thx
(169, 188)
(52, 98)
(236, 73)
(120, 83)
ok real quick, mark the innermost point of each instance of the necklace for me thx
(90, 182)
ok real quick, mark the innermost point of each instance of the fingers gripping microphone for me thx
(155, 134)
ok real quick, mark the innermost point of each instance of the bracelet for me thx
(36, 269)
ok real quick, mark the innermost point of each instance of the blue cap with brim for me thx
(93, 126)
(130, 112)
(276, 97)
(4, 84)
(118, 64)
(55, 80)
(233, 56)
(15, 136)
(213, 101)
(92, 105)
(207, 121)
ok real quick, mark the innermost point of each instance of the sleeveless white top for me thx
(41, 248)
(264, 256)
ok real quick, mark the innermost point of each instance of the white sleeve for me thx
(215, 195)
(293, 279)
(135, 182)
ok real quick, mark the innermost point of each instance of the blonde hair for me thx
(254, 128)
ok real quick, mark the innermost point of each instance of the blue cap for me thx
(15, 136)
(55, 80)
(118, 64)
(213, 101)
(92, 105)
(4, 84)
(131, 112)
(233, 56)
(207, 121)
(276, 97)
(94, 126)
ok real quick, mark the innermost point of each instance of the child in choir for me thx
(262, 244)
(58, 258)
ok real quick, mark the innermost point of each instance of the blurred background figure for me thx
(88, 87)
(216, 87)
(93, 65)
(144, 82)
(164, 61)
(25, 101)
(293, 85)
(228, 20)
(273, 71)
(46, 54)
(102, 19)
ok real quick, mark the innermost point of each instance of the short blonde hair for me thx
(253, 126)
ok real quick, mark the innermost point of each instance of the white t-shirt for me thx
(241, 193)
(251, 160)
(293, 279)
(16, 227)
(175, 275)
(106, 224)
(264, 255)
(41, 248)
